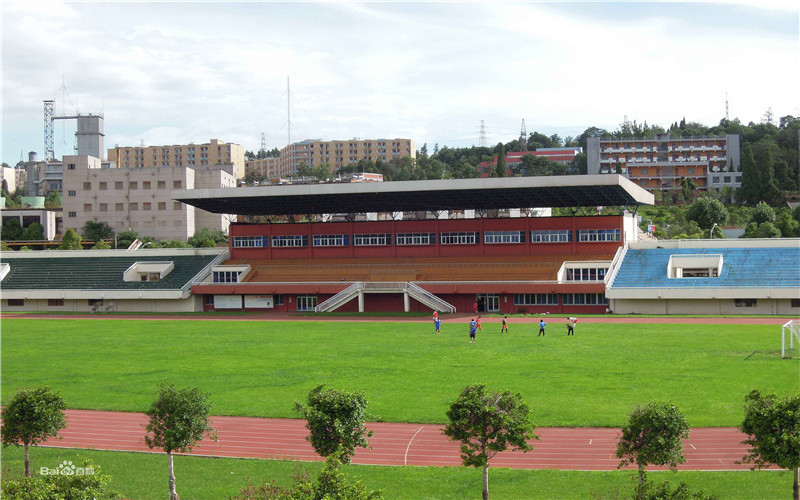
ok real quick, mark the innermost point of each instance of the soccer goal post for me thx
(793, 329)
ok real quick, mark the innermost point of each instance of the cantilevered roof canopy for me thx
(408, 196)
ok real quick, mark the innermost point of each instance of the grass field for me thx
(407, 373)
(144, 476)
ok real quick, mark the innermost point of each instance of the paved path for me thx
(394, 444)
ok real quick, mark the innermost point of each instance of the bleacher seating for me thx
(741, 268)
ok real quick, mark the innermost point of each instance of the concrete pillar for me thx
(360, 301)
(406, 302)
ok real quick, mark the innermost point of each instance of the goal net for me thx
(792, 329)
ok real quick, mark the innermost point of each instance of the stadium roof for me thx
(431, 195)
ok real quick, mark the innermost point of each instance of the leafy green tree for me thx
(500, 169)
(772, 425)
(769, 188)
(202, 237)
(750, 192)
(96, 231)
(786, 224)
(765, 230)
(178, 419)
(12, 229)
(125, 238)
(707, 211)
(101, 245)
(653, 436)
(71, 240)
(32, 416)
(175, 244)
(487, 422)
(662, 491)
(335, 418)
(53, 200)
(762, 213)
(4, 189)
(34, 231)
(62, 486)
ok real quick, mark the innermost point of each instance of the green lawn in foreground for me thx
(144, 476)
(408, 374)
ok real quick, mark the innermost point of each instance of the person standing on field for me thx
(438, 324)
(542, 324)
(571, 325)
(478, 321)
(473, 329)
(505, 325)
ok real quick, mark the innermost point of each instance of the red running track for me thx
(394, 444)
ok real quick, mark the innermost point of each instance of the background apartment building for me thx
(565, 155)
(214, 152)
(139, 199)
(337, 154)
(658, 164)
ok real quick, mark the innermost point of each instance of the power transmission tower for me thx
(726, 106)
(523, 137)
(263, 142)
(49, 147)
(482, 135)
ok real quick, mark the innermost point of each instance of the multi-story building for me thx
(214, 152)
(565, 155)
(658, 164)
(139, 199)
(337, 154)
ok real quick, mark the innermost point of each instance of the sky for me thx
(174, 73)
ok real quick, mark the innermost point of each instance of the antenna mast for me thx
(49, 147)
(523, 137)
(726, 106)
(289, 125)
(263, 142)
(482, 135)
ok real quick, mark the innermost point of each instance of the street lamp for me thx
(712, 230)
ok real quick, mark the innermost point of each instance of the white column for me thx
(360, 301)
(406, 302)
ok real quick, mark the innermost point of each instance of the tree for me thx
(71, 240)
(96, 231)
(178, 419)
(34, 231)
(487, 422)
(125, 238)
(12, 229)
(206, 237)
(74, 486)
(53, 200)
(32, 416)
(335, 418)
(707, 211)
(769, 188)
(772, 425)
(653, 436)
(762, 213)
(765, 230)
(101, 245)
(750, 192)
(500, 169)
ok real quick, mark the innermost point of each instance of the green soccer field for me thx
(408, 374)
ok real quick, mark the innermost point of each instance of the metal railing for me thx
(340, 297)
(429, 299)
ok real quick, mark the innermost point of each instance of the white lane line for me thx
(405, 458)
(590, 441)
(690, 444)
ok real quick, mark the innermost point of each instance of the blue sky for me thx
(174, 73)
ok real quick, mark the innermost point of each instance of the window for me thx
(331, 240)
(70, 166)
(795, 303)
(162, 184)
(72, 192)
(363, 240)
(494, 237)
(578, 299)
(118, 185)
(458, 238)
(586, 274)
(306, 302)
(104, 207)
(146, 205)
(87, 186)
(277, 300)
(72, 214)
(119, 207)
(16, 302)
(226, 276)
(598, 235)
(103, 186)
(745, 302)
(55, 302)
(162, 205)
(146, 185)
(552, 236)
(415, 238)
(690, 170)
(292, 240)
(176, 205)
(535, 299)
(134, 206)
(176, 184)
(249, 241)
(87, 207)
(644, 171)
(134, 185)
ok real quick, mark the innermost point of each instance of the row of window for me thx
(133, 206)
(586, 274)
(551, 299)
(119, 185)
(408, 239)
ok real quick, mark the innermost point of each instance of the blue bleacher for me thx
(741, 268)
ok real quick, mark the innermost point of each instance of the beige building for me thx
(337, 154)
(191, 155)
(139, 199)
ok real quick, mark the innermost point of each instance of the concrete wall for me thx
(779, 307)
(191, 304)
